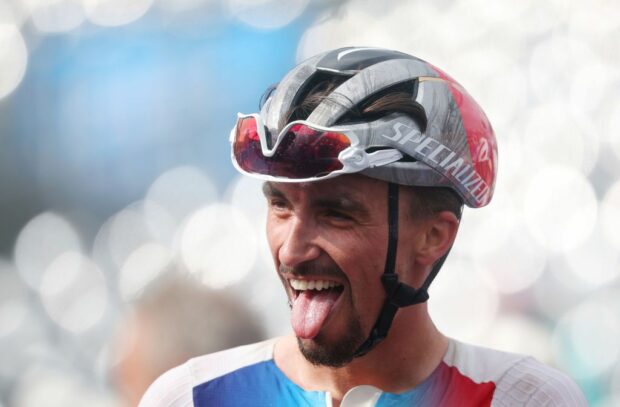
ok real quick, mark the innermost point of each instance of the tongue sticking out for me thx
(310, 310)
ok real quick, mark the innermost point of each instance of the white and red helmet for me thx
(451, 144)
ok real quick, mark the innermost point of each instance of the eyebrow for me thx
(269, 190)
(342, 202)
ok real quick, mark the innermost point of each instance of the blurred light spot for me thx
(266, 14)
(23, 344)
(493, 12)
(554, 63)
(610, 215)
(53, 386)
(13, 58)
(194, 19)
(331, 33)
(179, 192)
(613, 129)
(159, 222)
(560, 208)
(541, 17)
(480, 64)
(599, 15)
(456, 295)
(595, 262)
(43, 239)
(587, 338)
(120, 235)
(143, 266)
(45, 386)
(12, 314)
(411, 28)
(407, 33)
(590, 85)
(115, 12)
(512, 182)
(520, 334)
(246, 194)
(55, 15)
(218, 244)
(12, 13)
(555, 292)
(494, 88)
(101, 246)
(315, 39)
(177, 6)
(515, 265)
(554, 135)
(13, 306)
(485, 230)
(73, 292)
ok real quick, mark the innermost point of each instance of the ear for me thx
(436, 237)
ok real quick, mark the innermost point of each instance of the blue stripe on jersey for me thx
(423, 395)
(261, 384)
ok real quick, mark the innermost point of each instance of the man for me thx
(368, 155)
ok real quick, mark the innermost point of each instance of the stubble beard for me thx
(320, 352)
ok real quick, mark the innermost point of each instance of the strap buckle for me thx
(400, 294)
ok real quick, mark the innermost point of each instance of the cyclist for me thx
(368, 156)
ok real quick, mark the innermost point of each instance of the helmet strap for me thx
(398, 294)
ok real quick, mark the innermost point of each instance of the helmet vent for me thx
(398, 98)
(318, 87)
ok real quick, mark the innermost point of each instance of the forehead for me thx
(355, 188)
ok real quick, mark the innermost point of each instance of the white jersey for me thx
(467, 376)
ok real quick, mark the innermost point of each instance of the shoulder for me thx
(172, 389)
(175, 387)
(480, 364)
(518, 380)
(532, 383)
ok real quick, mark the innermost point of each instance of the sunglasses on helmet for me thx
(304, 152)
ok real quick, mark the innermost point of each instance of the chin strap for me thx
(397, 294)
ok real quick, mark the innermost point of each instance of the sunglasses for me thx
(304, 152)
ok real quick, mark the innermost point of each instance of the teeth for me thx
(302, 285)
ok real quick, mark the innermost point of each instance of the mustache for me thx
(312, 268)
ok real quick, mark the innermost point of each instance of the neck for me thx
(408, 355)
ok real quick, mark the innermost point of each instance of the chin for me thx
(329, 353)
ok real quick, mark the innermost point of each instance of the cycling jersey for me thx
(467, 376)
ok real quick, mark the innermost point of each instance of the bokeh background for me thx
(114, 165)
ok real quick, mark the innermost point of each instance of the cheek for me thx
(364, 264)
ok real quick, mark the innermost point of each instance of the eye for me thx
(338, 215)
(277, 204)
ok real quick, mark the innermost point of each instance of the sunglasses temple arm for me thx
(383, 157)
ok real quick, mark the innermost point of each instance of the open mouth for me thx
(312, 304)
(325, 286)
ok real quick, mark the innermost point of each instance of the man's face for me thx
(332, 233)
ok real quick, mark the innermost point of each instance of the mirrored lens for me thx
(303, 152)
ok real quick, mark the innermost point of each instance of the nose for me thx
(299, 244)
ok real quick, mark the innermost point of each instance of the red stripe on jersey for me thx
(462, 391)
